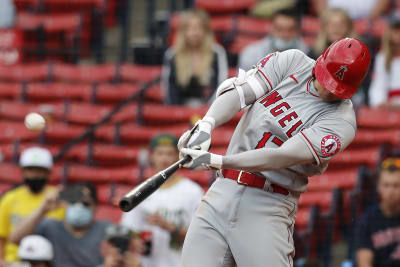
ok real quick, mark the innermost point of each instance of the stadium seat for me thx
(366, 137)
(253, 26)
(10, 131)
(139, 73)
(155, 94)
(171, 114)
(225, 5)
(310, 25)
(25, 72)
(353, 158)
(4, 188)
(112, 93)
(134, 134)
(104, 193)
(10, 90)
(112, 155)
(73, 5)
(328, 181)
(86, 113)
(377, 118)
(84, 73)
(222, 136)
(40, 92)
(50, 23)
(321, 199)
(364, 26)
(59, 132)
(10, 173)
(77, 172)
(240, 42)
(108, 213)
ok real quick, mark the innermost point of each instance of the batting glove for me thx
(199, 137)
(201, 160)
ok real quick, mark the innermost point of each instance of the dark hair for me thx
(288, 12)
(88, 185)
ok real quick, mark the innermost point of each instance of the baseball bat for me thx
(146, 188)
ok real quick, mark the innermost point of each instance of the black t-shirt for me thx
(380, 234)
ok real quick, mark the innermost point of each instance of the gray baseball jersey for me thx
(238, 225)
(291, 107)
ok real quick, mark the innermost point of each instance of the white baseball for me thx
(34, 122)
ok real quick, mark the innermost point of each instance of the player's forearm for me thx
(293, 152)
(224, 107)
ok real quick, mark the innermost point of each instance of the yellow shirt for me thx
(17, 205)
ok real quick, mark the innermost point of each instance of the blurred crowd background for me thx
(118, 82)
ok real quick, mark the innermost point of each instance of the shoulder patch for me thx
(330, 145)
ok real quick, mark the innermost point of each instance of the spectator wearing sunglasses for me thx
(76, 240)
(378, 231)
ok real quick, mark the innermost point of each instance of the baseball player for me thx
(299, 116)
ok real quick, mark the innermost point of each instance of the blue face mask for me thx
(78, 215)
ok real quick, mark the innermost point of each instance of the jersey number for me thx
(266, 137)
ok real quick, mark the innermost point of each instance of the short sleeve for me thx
(363, 234)
(4, 217)
(328, 137)
(133, 219)
(276, 67)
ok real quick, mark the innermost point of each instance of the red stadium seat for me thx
(58, 132)
(84, 74)
(155, 94)
(25, 72)
(321, 199)
(108, 213)
(302, 218)
(377, 118)
(203, 178)
(104, 193)
(10, 131)
(222, 23)
(50, 23)
(254, 26)
(86, 113)
(10, 173)
(112, 155)
(240, 42)
(138, 73)
(139, 134)
(14, 110)
(310, 25)
(364, 26)
(111, 93)
(225, 5)
(4, 188)
(365, 137)
(354, 158)
(170, 114)
(57, 92)
(73, 5)
(10, 90)
(102, 175)
(222, 136)
(328, 181)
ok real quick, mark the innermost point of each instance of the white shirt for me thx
(357, 9)
(385, 84)
(176, 204)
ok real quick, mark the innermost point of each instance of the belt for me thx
(252, 180)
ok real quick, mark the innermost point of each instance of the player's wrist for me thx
(216, 161)
(207, 124)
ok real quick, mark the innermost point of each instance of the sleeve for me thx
(328, 137)
(4, 217)
(277, 66)
(133, 219)
(378, 89)
(363, 234)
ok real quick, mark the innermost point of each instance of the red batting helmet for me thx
(343, 66)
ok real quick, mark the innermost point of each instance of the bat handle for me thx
(184, 160)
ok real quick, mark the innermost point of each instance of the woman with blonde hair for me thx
(336, 24)
(384, 91)
(196, 64)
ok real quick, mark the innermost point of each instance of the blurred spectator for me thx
(77, 239)
(267, 8)
(285, 34)
(36, 250)
(19, 203)
(377, 233)
(7, 14)
(384, 91)
(336, 24)
(164, 217)
(119, 249)
(357, 9)
(195, 66)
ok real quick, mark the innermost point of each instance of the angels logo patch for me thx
(330, 145)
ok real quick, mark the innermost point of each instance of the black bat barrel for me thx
(146, 188)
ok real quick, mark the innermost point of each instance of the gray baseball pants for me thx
(241, 225)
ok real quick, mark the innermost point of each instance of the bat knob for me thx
(125, 204)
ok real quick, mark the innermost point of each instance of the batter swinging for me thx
(299, 116)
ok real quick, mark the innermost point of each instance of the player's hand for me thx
(199, 137)
(201, 160)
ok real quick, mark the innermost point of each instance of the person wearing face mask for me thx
(284, 35)
(36, 164)
(76, 240)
